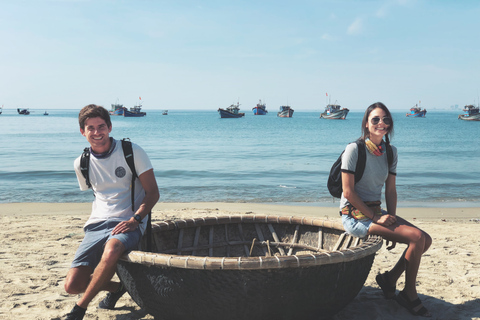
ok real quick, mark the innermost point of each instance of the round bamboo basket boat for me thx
(248, 267)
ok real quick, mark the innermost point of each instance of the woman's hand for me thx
(386, 220)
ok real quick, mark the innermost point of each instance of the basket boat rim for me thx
(370, 245)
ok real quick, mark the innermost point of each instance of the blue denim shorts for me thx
(90, 250)
(357, 228)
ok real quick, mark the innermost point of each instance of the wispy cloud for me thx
(327, 37)
(356, 27)
(384, 10)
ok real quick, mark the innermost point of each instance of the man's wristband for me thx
(138, 218)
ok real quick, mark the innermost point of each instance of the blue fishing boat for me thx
(417, 112)
(231, 112)
(260, 109)
(136, 111)
(285, 112)
(471, 113)
(117, 109)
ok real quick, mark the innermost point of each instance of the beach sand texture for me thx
(38, 242)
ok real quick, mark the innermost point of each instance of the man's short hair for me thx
(93, 111)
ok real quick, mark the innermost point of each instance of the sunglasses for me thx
(376, 120)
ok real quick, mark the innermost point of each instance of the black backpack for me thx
(128, 153)
(334, 183)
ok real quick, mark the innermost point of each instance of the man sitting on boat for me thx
(114, 226)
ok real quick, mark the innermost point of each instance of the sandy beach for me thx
(38, 242)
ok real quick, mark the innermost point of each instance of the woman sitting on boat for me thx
(361, 212)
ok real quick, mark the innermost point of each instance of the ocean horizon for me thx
(199, 157)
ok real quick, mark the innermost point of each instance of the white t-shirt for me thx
(110, 178)
(370, 186)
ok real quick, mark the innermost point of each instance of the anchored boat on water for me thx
(334, 111)
(117, 109)
(417, 112)
(23, 111)
(231, 112)
(260, 109)
(471, 113)
(285, 112)
(136, 111)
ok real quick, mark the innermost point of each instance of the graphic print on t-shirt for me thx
(120, 172)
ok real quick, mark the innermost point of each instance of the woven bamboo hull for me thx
(204, 269)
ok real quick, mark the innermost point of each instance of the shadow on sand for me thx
(370, 304)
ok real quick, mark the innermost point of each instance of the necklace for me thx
(107, 153)
(373, 148)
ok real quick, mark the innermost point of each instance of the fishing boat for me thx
(334, 111)
(248, 267)
(231, 112)
(471, 113)
(1, 109)
(136, 111)
(285, 112)
(45, 113)
(417, 112)
(260, 109)
(117, 109)
(165, 112)
(23, 111)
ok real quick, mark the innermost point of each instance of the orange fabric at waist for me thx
(358, 215)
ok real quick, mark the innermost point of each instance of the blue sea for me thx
(197, 156)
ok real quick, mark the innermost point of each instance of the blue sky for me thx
(209, 54)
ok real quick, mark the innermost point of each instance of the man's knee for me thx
(77, 280)
(114, 249)
(74, 287)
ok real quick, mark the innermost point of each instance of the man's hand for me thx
(125, 226)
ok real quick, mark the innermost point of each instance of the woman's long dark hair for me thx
(366, 132)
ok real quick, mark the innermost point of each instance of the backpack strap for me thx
(128, 153)
(84, 165)
(361, 160)
(389, 151)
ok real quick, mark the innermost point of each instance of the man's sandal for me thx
(412, 306)
(388, 290)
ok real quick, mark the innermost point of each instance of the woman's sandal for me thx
(412, 306)
(384, 284)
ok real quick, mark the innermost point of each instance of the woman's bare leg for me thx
(417, 241)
